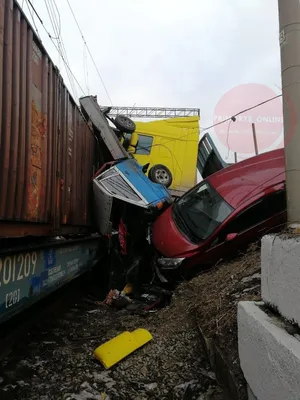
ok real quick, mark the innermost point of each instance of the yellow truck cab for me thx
(170, 147)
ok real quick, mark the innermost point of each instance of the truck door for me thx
(209, 159)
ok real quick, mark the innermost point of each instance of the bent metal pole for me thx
(289, 25)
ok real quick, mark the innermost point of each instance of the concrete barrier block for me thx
(250, 394)
(280, 274)
(269, 356)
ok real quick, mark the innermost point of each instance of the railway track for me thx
(79, 295)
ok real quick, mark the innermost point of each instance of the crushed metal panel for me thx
(109, 173)
(114, 185)
(118, 186)
(126, 181)
(93, 110)
(151, 192)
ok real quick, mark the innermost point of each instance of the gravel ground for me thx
(55, 360)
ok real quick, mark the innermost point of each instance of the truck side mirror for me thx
(145, 168)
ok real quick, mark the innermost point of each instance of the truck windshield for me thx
(200, 212)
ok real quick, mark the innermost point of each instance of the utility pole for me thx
(289, 24)
(254, 139)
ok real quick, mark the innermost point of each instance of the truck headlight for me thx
(169, 263)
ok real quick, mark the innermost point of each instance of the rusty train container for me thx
(47, 150)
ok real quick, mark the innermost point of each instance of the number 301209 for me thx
(17, 267)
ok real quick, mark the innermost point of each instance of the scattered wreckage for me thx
(155, 239)
(220, 217)
(126, 201)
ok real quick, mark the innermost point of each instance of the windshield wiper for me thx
(184, 226)
(182, 222)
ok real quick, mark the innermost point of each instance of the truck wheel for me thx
(161, 174)
(124, 124)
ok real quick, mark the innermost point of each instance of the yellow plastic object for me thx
(127, 289)
(113, 351)
(173, 143)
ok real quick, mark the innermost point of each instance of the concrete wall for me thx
(250, 394)
(280, 275)
(269, 356)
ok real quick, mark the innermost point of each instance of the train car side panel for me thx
(26, 277)
(47, 149)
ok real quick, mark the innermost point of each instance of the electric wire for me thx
(55, 45)
(53, 10)
(88, 49)
(241, 112)
(55, 25)
(184, 136)
(32, 17)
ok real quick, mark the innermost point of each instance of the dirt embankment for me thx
(212, 299)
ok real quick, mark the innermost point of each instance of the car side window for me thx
(256, 214)
(144, 145)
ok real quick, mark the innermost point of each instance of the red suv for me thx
(223, 213)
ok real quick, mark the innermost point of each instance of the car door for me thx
(263, 217)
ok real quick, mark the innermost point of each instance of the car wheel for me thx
(124, 124)
(161, 174)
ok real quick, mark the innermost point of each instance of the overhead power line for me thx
(32, 17)
(56, 25)
(88, 49)
(252, 107)
(226, 120)
(55, 45)
(232, 118)
(53, 10)
(183, 137)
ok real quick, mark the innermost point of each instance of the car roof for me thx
(249, 178)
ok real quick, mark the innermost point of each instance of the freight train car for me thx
(47, 151)
(48, 155)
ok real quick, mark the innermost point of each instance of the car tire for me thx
(124, 124)
(161, 174)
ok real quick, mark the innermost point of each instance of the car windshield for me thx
(200, 212)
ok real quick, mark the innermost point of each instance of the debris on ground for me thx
(150, 298)
(58, 363)
(56, 360)
(117, 299)
(121, 346)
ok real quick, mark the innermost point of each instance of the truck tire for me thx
(124, 124)
(161, 174)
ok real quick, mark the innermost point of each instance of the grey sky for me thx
(169, 53)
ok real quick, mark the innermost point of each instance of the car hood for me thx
(167, 239)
